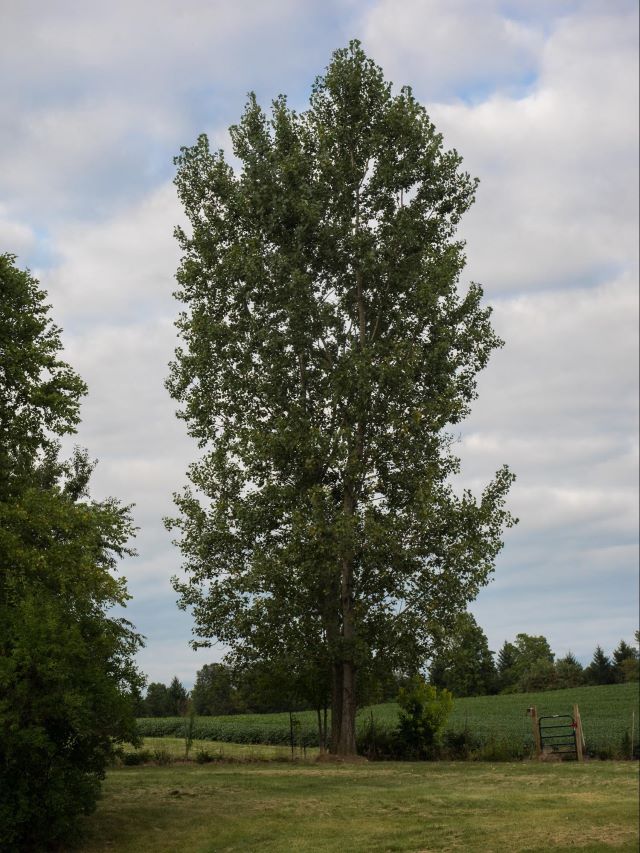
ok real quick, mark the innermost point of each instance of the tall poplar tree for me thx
(326, 352)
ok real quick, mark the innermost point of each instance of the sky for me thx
(540, 99)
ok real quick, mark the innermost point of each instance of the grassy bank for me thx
(312, 808)
(605, 711)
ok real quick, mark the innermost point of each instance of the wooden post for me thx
(533, 713)
(579, 736)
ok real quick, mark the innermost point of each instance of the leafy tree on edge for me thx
(67, 678)
(326, 351)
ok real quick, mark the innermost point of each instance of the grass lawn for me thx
(312, 808)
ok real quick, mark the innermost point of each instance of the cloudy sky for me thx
(541, 99)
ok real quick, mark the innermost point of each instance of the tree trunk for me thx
(336, 706)
(346, 744)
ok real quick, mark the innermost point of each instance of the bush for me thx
(203, 756)
(162, 756)
(460, 745)
(142, 756)
(423, 713)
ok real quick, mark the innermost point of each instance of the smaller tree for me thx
(527, 661)
(178, 697)
(423, 713)
(506, 666)
(624, 652)
(157, 702)
(569, 671)
(539, 675)
(600, 670)
(464, 664)
(213, 693)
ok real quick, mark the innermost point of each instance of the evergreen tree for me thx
(600, 670)
(177, 697)
(625, 662)
(157, 702)
(569, 671)
(506, 662)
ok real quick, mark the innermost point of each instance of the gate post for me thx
(579, 736)
(533, 713)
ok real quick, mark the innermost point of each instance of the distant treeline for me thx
(463, 664)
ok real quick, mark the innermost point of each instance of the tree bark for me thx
(336, 706)
(346, 744)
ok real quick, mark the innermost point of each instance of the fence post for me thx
(533, 713)
(579, 736)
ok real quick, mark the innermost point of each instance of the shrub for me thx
(460, 744)
(142, 756)
(423, 712)
(162, 756)
(203, 756)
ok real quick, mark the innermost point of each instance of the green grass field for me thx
(606, 716)
(318, 808)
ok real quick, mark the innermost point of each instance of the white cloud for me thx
(15, 237)
(445, 45)
(117, 271)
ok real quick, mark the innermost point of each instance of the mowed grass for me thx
(606, 716)
(317, 808)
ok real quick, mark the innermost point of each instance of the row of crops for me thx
(608, 715)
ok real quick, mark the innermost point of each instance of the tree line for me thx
(465, 667)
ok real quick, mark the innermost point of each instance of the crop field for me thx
(384, 806)
(606, 713)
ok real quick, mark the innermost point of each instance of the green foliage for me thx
(177, 696)
(569, 671)
(67, 679)
(39, 393)
(629, 670)
(600, 670)
(203, 756)
(464, 664)
(140, 756)
(423, 713)
(625, 662)
(213, 693)
(162, 757)
(157, 702)
(526, 665)
(326, 352)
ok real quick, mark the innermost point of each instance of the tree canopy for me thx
(326, 353)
